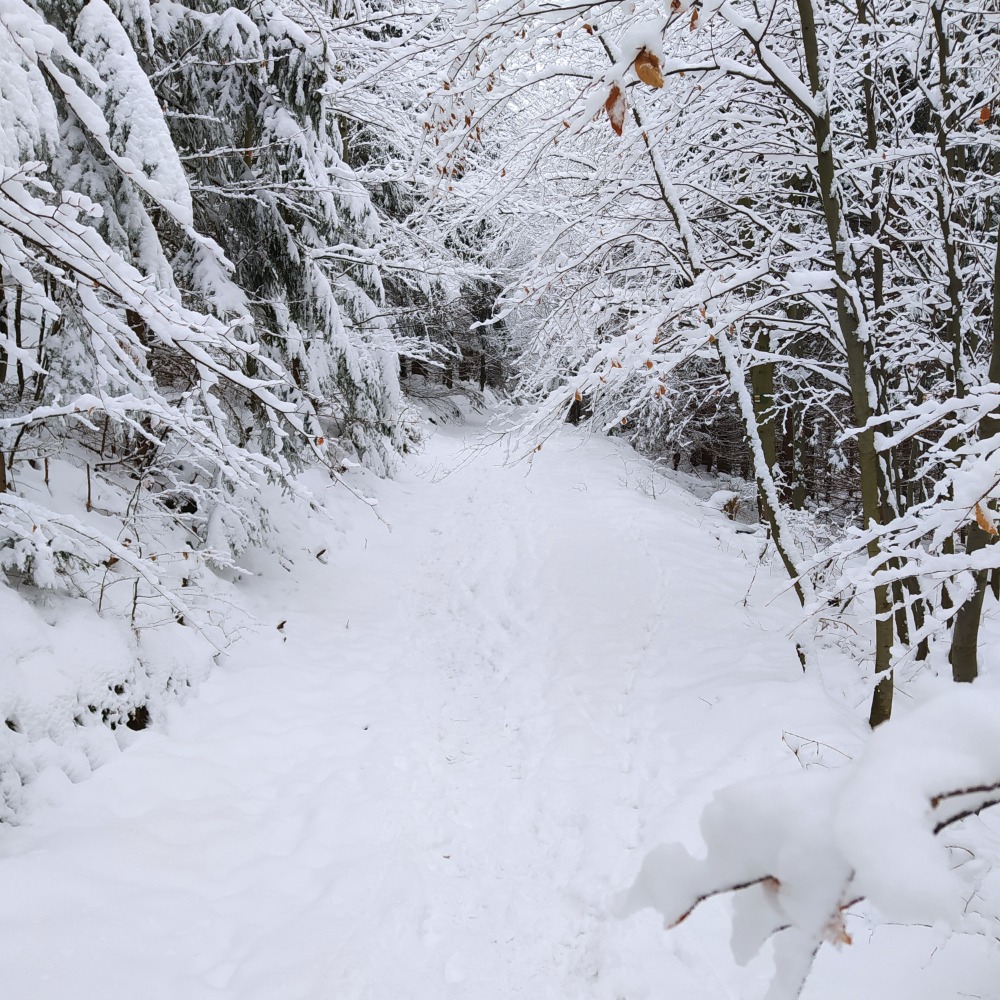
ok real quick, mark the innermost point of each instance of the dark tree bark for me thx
(857, 352)
(964, 654)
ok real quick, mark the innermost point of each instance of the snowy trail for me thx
(436, 785)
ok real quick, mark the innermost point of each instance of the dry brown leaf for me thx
(984, 520)
(835, 932)
(647, 68)
(615, 107)
(577, 397)
(984, 115)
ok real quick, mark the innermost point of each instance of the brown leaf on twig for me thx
(647, 68)
(984, 520)
(835, 932)
(615, 107)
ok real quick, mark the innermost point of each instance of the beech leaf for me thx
(647, 68)
(615, 107)
(984, 520)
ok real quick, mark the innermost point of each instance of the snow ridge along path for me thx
(478, 724)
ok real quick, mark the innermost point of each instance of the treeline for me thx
(768, 236)
(765, 243)
(217, 226)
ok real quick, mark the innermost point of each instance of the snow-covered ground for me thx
(435, 779)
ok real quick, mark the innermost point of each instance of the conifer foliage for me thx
(188, 301)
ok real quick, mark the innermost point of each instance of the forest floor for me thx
(434, 781)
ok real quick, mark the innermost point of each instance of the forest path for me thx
(477, 724)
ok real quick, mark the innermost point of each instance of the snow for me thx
(27, 113)
(802, 849)
(437, 777)
(138, 130)
(62, 666)
(947, 745)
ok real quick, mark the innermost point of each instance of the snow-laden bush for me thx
(801, 849)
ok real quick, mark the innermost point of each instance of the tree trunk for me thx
(767, 492)
(18, 300)
(856, 350)
(762, 387)
(3, 333)
(964, 654)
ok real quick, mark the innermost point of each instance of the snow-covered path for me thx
(434, 788)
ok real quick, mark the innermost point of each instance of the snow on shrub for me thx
(801, 849)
